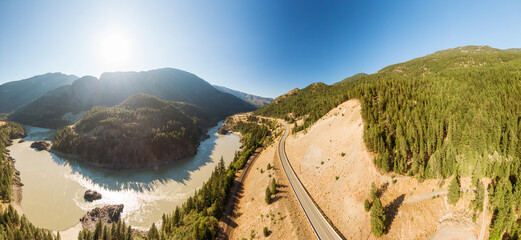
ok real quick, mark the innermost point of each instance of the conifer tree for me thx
(377, 218)
(267, 198)
(454, 188)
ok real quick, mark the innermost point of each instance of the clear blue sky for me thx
(264, 47)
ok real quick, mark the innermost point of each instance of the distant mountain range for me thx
(253, 99)
(17, 93)
(66, 104)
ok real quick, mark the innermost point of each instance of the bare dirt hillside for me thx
(334, 165)
(283, 217)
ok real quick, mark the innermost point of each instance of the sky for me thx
(264, 47)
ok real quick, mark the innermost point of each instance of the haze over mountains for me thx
(253, 99)
(17, 93)
(61, 106)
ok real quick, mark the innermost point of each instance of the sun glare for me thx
(115, 50)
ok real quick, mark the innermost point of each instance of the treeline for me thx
(117, 231)
(421, 115)
(8, 131)
(198, 217)
(12, 226)
(453, 112)
(143, 130)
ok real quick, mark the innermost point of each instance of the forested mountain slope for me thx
(456, 111)
(141, 131)
(17, 93)
(353, 78)
(112, 88)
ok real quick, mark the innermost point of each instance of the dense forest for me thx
(141, 131)
(12, 226)
(199, 216)
(456, 111)
(8, 131)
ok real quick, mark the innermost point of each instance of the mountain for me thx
(17, 93)
(63, 105)
(252, 99)
(423, 113)
(452, 113)
(352, 78)
(141, 131)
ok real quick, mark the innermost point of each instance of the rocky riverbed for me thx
(107, 214)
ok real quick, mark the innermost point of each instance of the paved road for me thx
(321, 227)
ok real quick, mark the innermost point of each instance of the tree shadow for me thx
(380, 191)
(391, 210)
(142, 179)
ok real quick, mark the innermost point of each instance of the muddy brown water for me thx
(54, 186)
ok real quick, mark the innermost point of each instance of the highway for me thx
(322, 228)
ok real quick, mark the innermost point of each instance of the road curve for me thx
(322, 228)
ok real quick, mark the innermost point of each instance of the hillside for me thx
(252, 99)
(17, 93)
(141, 131)
(452, 112)
(352, 78)
(58, 107)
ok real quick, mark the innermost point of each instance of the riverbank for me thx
(146, 193)
(17, 184)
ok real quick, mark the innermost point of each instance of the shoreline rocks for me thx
(41, 145)
(107, 214)
(91, 195)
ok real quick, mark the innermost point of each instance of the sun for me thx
(115, 50)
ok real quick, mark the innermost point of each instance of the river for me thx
(54, 186)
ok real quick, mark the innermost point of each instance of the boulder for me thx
(107, 214)
(91, 195)
(41, 145)
(21, 141)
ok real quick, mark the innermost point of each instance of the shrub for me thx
(367, 205)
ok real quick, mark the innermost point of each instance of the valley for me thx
(260, 120)
(146, 193)
(379, 156)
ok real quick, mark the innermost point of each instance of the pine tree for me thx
(454, 188)
(377, 218)
(480, 196)
(98, 230)
(373, 191)
(153, 233)
(267, 198)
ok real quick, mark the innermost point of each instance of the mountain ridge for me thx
(112, 88)
(15, 94)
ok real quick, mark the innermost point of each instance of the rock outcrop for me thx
(107, 214)
(91, 195)
(222, 130)
(41, 145)
(282, 97)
